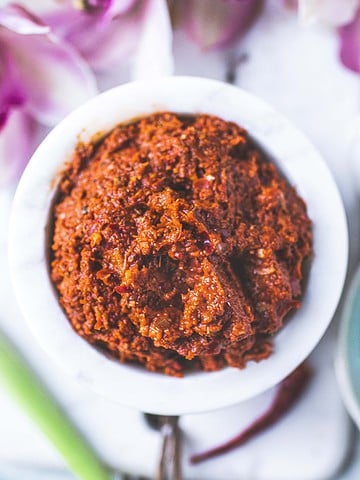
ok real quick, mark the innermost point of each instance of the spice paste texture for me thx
(177, 244)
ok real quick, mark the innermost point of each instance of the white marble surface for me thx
(298, 72)
(116, 431)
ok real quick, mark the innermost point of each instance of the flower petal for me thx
(116, 42)
(12, 93)
(122, 6)
(54, 77)
(350, 44)
(16, 146)
(154, 56)
(19, 20)
(332, 12)
(37, 7)
(112, 39)
(113, 7)
(92, 6)
(214, 24)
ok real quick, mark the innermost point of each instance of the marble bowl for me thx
(131, 385)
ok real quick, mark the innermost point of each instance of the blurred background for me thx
(303, 57)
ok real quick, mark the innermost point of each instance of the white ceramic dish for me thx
(134, 386)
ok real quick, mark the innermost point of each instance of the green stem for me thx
(28, 390)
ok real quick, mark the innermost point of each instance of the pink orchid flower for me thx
(41, 79)
(350, 44)
(44, 62)
(111, 7)
(116, 25)
(215, 24)
(104, 32)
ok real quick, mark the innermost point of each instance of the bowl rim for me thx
(343, 357)
(125, 383)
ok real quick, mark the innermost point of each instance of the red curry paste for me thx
(177, 244)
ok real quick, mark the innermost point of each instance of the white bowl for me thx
(131, 385)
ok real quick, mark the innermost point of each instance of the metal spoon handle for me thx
(170, 465)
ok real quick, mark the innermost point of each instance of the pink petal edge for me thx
(215, 24)
(12, 93)
(120, 7)
(112, 39)
(111, 7)
(46, 71)
(349, 36)
(17, 19)
(16, 146)
(53, 75)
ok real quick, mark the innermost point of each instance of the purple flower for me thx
(104, 32)
(41, 78)
(93, 5)
(350, 44)
(44, 62)
(111, 7)
(216, 23)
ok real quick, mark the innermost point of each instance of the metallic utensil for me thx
(170, 457)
